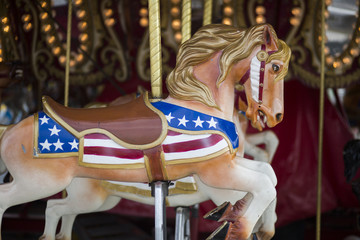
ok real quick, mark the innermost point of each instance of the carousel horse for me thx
(189, 133)
(183, 192)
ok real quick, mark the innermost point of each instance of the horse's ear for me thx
(269, 39)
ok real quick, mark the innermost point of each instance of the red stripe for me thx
(192, 145)
(172, 133)
(113, 152)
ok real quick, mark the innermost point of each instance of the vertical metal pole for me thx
(159, 190)
(182, 223)
(321, 123)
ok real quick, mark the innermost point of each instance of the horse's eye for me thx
(275, 67)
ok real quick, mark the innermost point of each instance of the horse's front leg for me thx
(240, 177)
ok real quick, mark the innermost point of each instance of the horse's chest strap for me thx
(154, 164)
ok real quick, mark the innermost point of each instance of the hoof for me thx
(220, 233)
(218, 212)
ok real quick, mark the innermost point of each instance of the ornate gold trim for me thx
(127, 189)
(148, 169)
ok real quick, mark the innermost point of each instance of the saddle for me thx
(134, 122)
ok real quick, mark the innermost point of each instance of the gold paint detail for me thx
(262, 55)
(126, 189)
(147, 167)
(48, 110)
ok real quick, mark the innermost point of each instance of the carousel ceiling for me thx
(110, 38)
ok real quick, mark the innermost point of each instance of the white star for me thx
(45, 145)
(74, 144)
(212, 123)
(58, 145)
(198, 122)
(182, 121)
(54, 130)
(169, 117)
(44, 119)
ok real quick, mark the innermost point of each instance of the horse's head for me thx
(263, 81)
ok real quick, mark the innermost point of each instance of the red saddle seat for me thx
(134, 122)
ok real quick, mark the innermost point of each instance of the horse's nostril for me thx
(279, 117)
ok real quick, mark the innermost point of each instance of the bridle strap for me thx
(262, 56)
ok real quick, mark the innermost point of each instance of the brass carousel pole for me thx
(67, 63)
(321, 123)
(159, 189)
(68, 45)
(186, 20)
(155, 48)
(207, 12)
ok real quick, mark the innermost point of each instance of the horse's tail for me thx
(2, 164)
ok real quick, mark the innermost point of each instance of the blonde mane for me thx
(235, 44)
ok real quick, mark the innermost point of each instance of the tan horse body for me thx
(218, 70)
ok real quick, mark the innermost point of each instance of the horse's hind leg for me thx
(68, 208)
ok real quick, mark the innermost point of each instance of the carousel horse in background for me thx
(184, 192)
(190, 133)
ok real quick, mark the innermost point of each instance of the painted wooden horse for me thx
(184, 192)
(189, 133)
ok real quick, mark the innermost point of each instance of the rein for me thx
(261, 57)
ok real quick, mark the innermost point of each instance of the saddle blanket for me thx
(53, 140)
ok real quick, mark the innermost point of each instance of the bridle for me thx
(257, 73)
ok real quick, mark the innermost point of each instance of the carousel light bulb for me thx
(296, 11)
(294, 21)
(6, 28)
(110, 22)
(27, 26)
(337, 64)
(175, 12)
(357, 40)
(79, 57)
(51, 39)
(0, 51)
(56, 50)
(144, 22)
(143, 12)
(329, 60)
(227, 1)
(78, 2)
(47, 28)
(326, 14)
(354, 51)
(260, 10)
(326, 50)
(4, 20)
(83, 37)
(346, 60)
(175, 1)
(44, 4)
(1, 59)
(228, 11)
(80, 13)
(176, 24)
(108, 12)
(227, 21)
(44, 15)
(72, 63)
(328, 2)
(26, 17)
(82, 25)
(260, 19)
(62, 59)
(178, 37)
